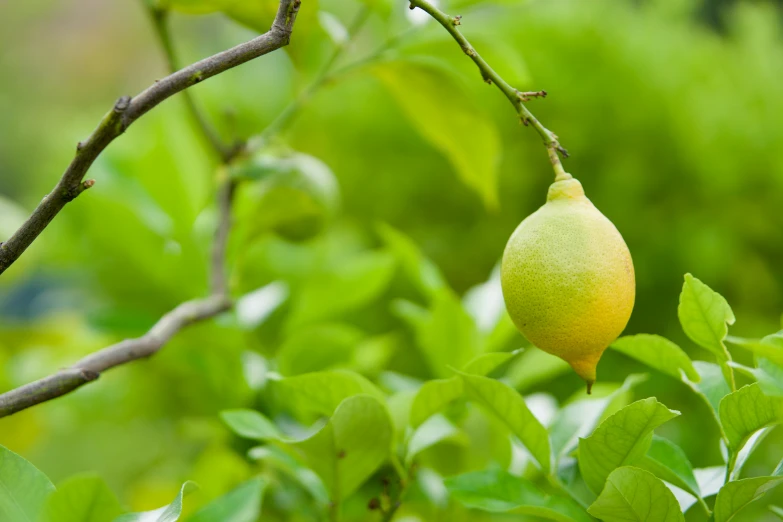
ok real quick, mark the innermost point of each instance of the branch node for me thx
(528, 95)
(88, 183)
(457, 20)
(79, 146)
(122, 104)
(89, 375)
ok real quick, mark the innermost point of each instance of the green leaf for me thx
(579, 418)
(668, 461)
(705, 315)
(634, 495)
(417, 267)
(170, 513)
(486, 363)
(499, 491)
(250, 424)
(241, 504)
(351, 285)
(712, 387)
(351, 446)
(322, 392)
(436, 429)
(777, 510)
(446, 334)
(23, 489)
(737, 494)
(82, 499)
(621, 439)
(317, 348)
(746, 411)
(444, 115)
(510, 408)
(433, 396)
(657, 352)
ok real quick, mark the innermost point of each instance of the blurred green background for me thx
(670, 109)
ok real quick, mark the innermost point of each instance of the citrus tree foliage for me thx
(356, 377)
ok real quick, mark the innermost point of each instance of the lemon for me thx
(568, 279)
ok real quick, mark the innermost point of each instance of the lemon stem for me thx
(516, 97)
(560, 173)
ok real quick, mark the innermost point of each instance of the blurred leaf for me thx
(192, 6)
(170, 513)
(769, 347)
(657, 352)
(499, 491)
(509, 407)
(294, 196)
(634, 495)
(444, 115)
(621, 439)
(737, 494)
(432, 397)
(351, 446)
(419, 269)
(705, 315)
(333, 27)
(317, 348)
(11, 217)
(770, 377)
(282, 461)
(82, 499)
(746, 411)
(712, 387)
(434, 430)
(241, 504)
(446, 334)
(668, 462)
(579, 418)
(346, 287)
(777, 510)
(533, 367)
(250, 424)
(253, 308)
(322, 392)
(484, 302)
(23, 489)
(486, 363)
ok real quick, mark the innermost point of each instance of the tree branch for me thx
(90, 367)
(126, 111)
(451, 24)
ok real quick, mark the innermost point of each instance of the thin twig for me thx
(323, 75)
(517, 98)
(89, 368)
(160, 22)
(126, 111)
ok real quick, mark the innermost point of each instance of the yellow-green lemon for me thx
(568, 279)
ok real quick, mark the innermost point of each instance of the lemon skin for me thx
(568, 279)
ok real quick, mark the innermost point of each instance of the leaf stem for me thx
(517, 98)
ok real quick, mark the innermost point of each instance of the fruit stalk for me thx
(516, 97)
